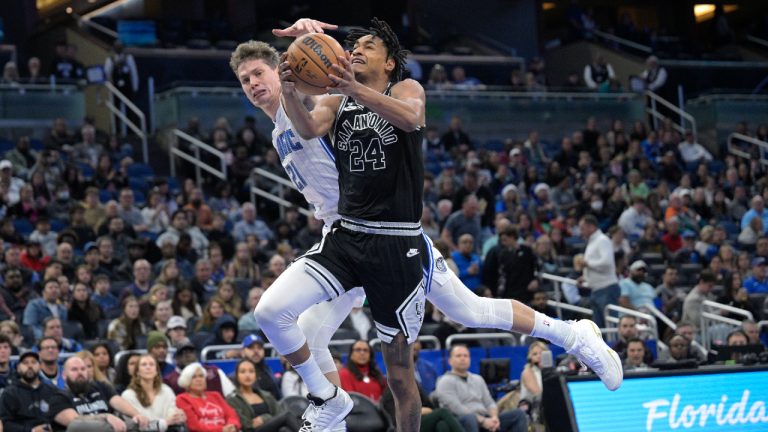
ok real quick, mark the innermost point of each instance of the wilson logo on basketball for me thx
(317, 49)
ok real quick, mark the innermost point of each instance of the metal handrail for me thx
(463, 94)
(197, 145)
(267, 346)
(558, 281)
(763, 145)
(655, 98)
(757, 40)
(423, 338)
(94, 25)
(559, 306)
(282, 184)
(622, 41)
(637, 314)
(727, 308)
(660, 315)
(141, 130)
(478, 336)
(706, 318)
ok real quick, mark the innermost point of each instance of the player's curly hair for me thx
(383, 31)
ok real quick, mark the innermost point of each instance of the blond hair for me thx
(98, 375)
(254, 50)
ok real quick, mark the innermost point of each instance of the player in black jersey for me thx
(376, 126)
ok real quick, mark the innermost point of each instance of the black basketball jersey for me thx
(381, 172)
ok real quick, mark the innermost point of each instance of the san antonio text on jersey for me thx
(381, 172)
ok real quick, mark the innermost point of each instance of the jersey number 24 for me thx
(361, 155)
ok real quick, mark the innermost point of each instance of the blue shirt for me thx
(36, 311)
(751, 214)
(463, 263)
(639, 294)
(106, 302)
(755, 286)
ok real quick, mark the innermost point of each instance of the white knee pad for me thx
(460, 304)
(279, 308)
(321, 321)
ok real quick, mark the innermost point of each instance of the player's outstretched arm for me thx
(404, 108)
(307, 124)
(304, 26)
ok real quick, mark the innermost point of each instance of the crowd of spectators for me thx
(97, 247)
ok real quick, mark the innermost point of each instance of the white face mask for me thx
(596, 205)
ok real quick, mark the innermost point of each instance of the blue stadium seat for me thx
(23, 227)
(274, 364)
(226, 366)
(105, 195)
(58, 225)
(140, 170)
(138, 184)
(87, 170)
(149, 235)
(476, 354)
(436, 357)
(6, 146)
(139, 198)
(494, 145)
(36, 144)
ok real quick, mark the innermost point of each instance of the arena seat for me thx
(294, 404)
(366, 416)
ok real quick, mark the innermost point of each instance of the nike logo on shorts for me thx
(412, 253)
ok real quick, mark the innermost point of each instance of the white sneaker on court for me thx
(327, 415)
(591, 350)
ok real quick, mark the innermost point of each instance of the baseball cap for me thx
(758, 261)
(252, 339)
(637, 265)
(689, 234)
(514, 152)
(27, 354)
(5, 163)
(185, 346)
(176, 322)
(88, 246)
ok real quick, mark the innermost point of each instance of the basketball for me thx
(311, 57)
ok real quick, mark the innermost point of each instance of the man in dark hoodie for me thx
(30, 405)
(224, 333)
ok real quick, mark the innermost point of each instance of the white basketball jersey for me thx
(310, 165)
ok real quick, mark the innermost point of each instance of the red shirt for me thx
(672, 243)
(373, 389)
(208, 414)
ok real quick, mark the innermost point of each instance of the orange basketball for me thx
(311, 57)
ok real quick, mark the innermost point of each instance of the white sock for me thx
(554, 330)
(317, 384)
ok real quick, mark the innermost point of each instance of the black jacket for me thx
(23, 407)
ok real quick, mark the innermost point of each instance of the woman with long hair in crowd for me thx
(227, 292)
(242, 265)
(361, 374)
(94, 373)
(214, 310)
(128, 327)
(85, 312)
(102, 357)
(169, 275)
(126, 367)
(151, 397)
(257, 409)
(185, 303)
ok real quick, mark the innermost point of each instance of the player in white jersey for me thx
(310, 165)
